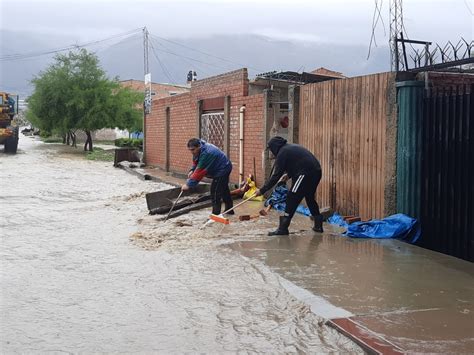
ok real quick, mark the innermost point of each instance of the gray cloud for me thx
(267, 34)
(333, 21)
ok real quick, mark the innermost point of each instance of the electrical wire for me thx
(468, 8)
(198, 67)
(205, 53)
(193, 59)
(20, 56)
(163, 67)
(127, 39)
(130, 34)
(375, 19)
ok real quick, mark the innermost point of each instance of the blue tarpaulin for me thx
(278, 200)
(397, 226)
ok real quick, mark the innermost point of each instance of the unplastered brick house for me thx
(369, 133)
(213, 110)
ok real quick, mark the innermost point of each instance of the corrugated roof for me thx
(295, 77)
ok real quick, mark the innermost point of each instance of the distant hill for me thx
(125, 59)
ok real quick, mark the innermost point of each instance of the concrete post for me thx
(198, 118)
(268, 121)
(293, 113)
(144, 136)
(391, 133)
(167, 139)
(227, 125)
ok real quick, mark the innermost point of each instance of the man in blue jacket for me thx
(304, 170)
(210, 161)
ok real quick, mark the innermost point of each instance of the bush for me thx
(120, 142)
(44, 134)
(129, 142)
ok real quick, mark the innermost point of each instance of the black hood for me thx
(275, 144)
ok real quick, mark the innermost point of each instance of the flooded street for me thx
(84, 268)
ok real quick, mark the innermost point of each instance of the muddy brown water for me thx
(418, 299)
(85, 269)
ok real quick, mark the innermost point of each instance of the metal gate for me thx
(212, 128)
(447, 189)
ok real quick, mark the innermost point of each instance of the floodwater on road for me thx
(84, 268)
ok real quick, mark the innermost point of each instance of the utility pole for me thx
(147, 102)
(396, 27)
(146, 68)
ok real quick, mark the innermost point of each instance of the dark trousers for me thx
(303, 186)
(220, 191)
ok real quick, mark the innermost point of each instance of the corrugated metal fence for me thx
(409, 132)
(447, 188)
(344, 122)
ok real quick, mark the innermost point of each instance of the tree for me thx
(75, 93)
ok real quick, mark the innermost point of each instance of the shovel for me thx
(174, 204)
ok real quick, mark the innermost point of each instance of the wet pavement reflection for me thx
(417, 299)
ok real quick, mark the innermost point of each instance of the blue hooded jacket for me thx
(210, 162)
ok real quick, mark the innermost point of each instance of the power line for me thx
(165, 71)
(205, 53)
(19, 56)
(198, 67)
(468, 8)
(193, 59)
(375, 19)
(131, 33)
(127, 39)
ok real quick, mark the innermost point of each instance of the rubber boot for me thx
(227, 207)
(283, 227)
(216, 209)
(318, 223)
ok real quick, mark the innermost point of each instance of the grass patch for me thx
(100, 154)
(105, 142)
(52, 139)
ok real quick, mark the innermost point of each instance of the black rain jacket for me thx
(292, 159)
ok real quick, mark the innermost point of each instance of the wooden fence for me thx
(350, 125)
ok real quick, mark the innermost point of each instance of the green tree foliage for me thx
(74, 93)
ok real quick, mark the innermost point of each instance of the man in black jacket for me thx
(304, 170)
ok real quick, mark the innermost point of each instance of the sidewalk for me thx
(398, 297)
(153, 174)
(387, 295)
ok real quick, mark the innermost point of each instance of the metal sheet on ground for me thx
(161, 201)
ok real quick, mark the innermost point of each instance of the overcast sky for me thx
(329, 33)
(333, 21)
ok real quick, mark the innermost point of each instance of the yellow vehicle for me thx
(8, 127)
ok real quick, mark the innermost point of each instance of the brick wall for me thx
(183, 110)
(439, 80)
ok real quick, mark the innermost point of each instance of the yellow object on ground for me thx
(252, 188)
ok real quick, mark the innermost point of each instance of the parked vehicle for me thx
(9, 130)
